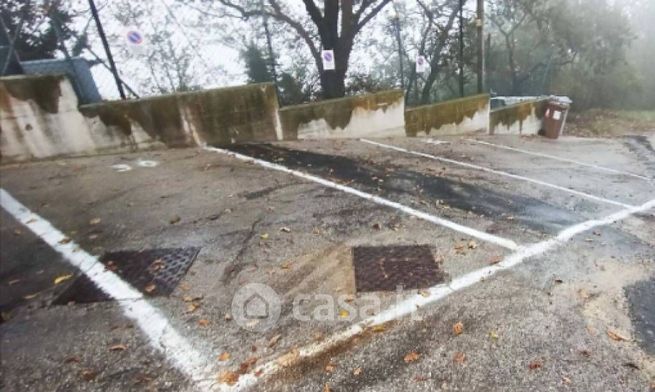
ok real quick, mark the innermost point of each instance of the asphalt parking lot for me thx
(540, 267)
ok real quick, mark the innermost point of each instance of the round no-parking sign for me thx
(134, 38)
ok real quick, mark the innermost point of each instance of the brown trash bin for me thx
(554, 119)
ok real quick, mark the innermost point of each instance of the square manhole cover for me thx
(154, 272)
(383, 268)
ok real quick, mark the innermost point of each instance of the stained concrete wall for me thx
(524, 118)
(40, 118)
(458, 116)
(371, 115)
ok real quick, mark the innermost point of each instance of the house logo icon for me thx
(256, 307)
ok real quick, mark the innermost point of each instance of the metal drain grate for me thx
(384, 268)
(154, 272)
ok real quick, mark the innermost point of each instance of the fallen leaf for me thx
(157, 265)
(536, 364)
(472, 244)
(459, 358)
(289, 358)
(285, 229)
(111, 266)
(357, 371)
(286, 265)
(203, 322)
(94, 221)
(344, 313)
(617, 336)
(326, 388)
(18, 232)
(566, 380)
(495, 260)
(378, 328)
(62, 278)
(493, 335)
(72, 360)
(458, 328)
(424, 293)
(175, 220)
(584, 294)
(411, 357)
(118, 347)
(192, 307)
(273, 341)
(247, 364)
(224, 357)
(264, 236)
(65, 241)
(330, 367)
(143, 379)
(228, 377)
(150, 288)
(88, 374)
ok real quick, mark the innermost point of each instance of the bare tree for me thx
(334, 26)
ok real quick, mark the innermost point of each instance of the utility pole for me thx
(400, 49)
(461, 48)
(112, 65)
(269, 43)
(479, 22)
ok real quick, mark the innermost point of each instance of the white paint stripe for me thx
(504, 242)
(435, 141)
(153, 323)
(437, 293)
(539, 154)
(498, 172)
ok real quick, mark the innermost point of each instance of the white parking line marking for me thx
(435, 141)
(153, 323)
(498, 172)
(440, 292)
(539, 154)
(504, 242)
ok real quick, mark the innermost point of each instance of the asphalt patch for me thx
(641, 298)
(391, 181)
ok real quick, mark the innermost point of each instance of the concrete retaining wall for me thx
(459, 116)
(40, 118)
(525, 118)
(370, 115)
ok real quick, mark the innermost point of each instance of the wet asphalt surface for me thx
(541, 326)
